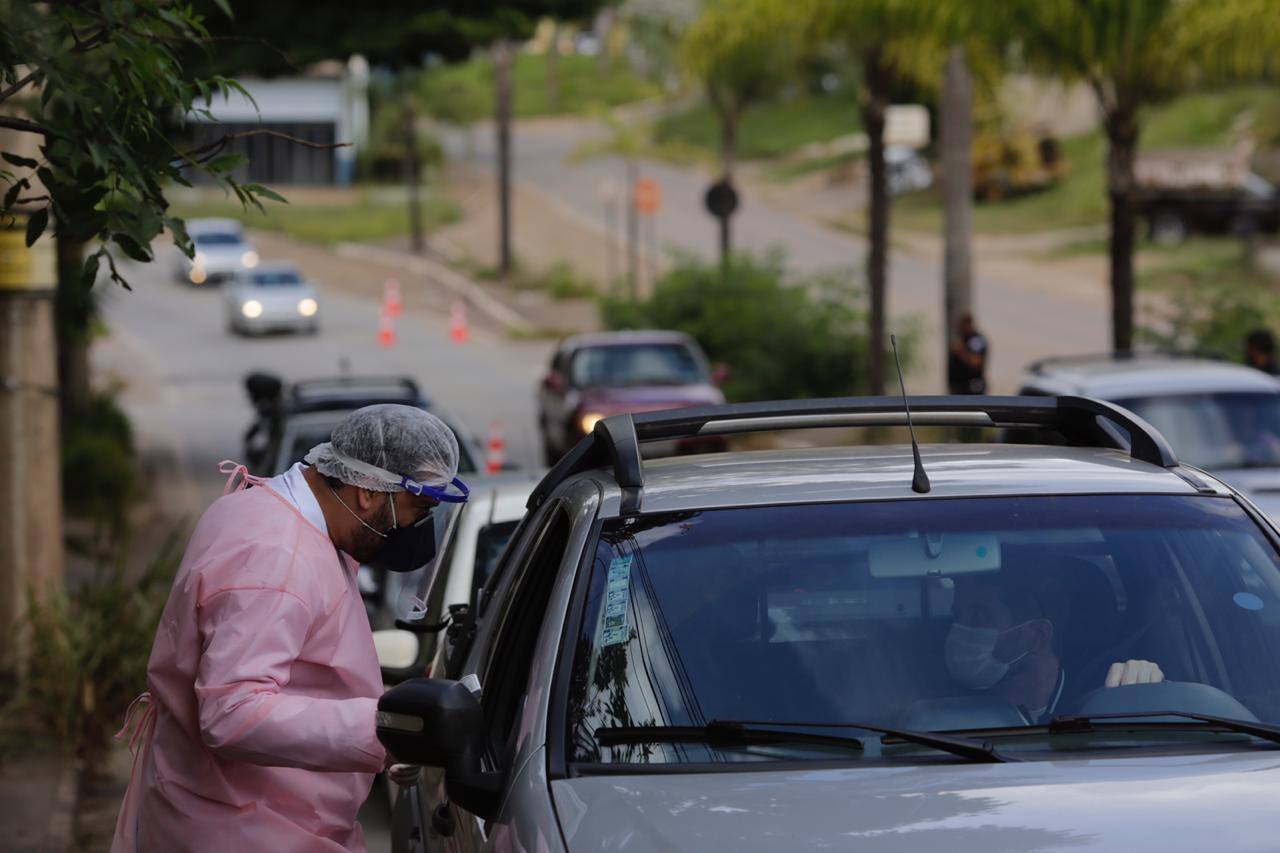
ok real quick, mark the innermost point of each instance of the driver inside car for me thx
(1003, 642)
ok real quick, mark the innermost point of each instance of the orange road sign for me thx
(648, 196)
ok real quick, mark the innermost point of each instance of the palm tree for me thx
(1133, 53)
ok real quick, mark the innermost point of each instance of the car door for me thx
(555, 390)
(501, 659)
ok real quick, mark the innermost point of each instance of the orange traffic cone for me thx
(391, 302)
(459, 332)
(496, 448)
(386, 330)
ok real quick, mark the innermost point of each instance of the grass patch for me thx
(361, 215)
(464, 93)
(767, 130)
(1197, 120)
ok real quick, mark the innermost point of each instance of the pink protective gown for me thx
(257, 732)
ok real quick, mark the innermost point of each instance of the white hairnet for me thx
(374, 447)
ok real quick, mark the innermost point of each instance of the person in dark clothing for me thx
(1260, 351)
(967, 365)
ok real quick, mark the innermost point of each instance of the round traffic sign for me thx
(721, 199)
(648, 195)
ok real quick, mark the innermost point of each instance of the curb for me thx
(61, 831)
(463, 287)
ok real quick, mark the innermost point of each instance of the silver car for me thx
(1219, 416)
(272, 297)
(221, 252)
(992, 647)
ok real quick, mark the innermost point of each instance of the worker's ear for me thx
(1041, 631)
(366, 498)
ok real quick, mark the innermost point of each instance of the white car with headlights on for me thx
(272, 297)
(221, 252)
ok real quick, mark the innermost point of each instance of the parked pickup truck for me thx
(1204, 191)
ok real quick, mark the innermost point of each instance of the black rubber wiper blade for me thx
(717, 734)
(1071, 723)
(963, 747)
(741, 732)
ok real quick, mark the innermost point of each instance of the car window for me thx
(274, 278)
(216, 238)
(636, 364)
(518, 617)
(1216, 431)
(490, 544)
(910, 613)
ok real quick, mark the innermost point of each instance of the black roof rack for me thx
(616, 440)
(1038, 366)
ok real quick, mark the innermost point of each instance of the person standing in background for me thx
(967, 366)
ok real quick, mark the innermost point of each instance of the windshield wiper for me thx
(1073, 723)
(743, 732)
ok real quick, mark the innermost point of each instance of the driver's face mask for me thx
(970, 655)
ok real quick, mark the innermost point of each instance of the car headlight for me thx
(199, 259)
(588, 422)
(249, 259)
(197, 275)
(251, 309)
(307, 307)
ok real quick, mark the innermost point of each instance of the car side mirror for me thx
(720, 373)
(398, 653)
(555, 382)
(439, 723)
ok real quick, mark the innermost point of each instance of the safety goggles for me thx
(413, 487)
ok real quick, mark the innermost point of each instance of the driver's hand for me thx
(1133, 672)
(404, 775)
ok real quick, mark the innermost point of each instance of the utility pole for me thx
(413, 169)
(502, 81)
(31, 551)
(957, 191)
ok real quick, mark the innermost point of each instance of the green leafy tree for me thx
(739, 59)
(1133, 53)
(898, 48)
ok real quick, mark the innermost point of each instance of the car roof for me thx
(212, 225)
(1112, 379)
(502, 503)
(347, 393)
(883, 472)
(633, 336)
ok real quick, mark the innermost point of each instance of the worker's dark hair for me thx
(1261, 340)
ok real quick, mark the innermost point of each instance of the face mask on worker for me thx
(970, 655)
(403, 549)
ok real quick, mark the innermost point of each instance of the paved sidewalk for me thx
(38, 791)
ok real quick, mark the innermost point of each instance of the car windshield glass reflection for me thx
(1217, 431)
(216, 239)
(647, 364)
(490, 544)
(929, 615)
(275, 279)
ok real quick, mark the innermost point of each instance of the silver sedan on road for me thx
(272, 297)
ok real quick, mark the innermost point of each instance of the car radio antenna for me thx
(919, 479)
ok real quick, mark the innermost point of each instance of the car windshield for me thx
(930, 615)
(216, 238)
(1216, 431)
(274, 278)
(636, 364)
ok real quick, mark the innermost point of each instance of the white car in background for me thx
(221, 252)
(272, 297)
(1219, 416)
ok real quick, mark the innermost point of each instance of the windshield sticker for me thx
(1247, 601)
(617, 600)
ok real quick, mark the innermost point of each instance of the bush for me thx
(98, 463)
(382, 159)
(90, 649)
(781, 339)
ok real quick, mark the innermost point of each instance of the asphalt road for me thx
(181, 375)
(1025, 313)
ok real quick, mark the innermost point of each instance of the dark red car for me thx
(610, 373)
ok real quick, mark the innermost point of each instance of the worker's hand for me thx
(1133, 672)
(405, 775)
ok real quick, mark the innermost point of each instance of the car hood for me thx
(1260, 485)
(1223, 802)
(649, 398)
